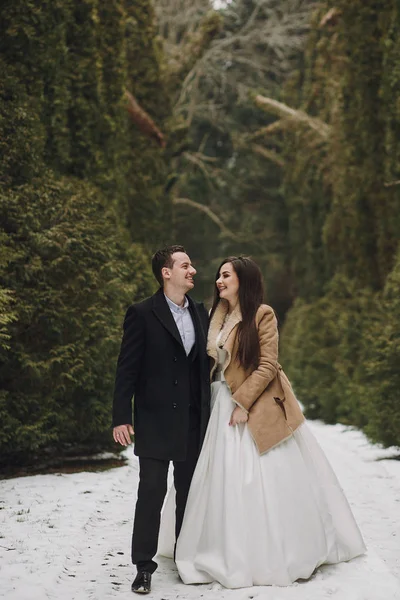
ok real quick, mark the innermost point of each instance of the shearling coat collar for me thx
(216, 324)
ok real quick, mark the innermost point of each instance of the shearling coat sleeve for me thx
(252, 388)
(128, 367)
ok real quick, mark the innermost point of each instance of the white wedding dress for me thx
(258, 520)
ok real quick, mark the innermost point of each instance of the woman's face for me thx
(228, 284)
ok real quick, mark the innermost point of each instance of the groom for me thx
(163, 363)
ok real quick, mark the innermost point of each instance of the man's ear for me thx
(166, 273)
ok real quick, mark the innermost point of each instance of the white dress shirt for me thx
(184, 323)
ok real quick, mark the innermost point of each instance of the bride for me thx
(264, 506)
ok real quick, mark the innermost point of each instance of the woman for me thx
(264, 507)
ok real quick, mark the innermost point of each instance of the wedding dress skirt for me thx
(259, 520)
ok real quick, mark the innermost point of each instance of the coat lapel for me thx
(228, 335)
(163, 313)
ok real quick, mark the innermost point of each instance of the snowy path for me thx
(68, 536)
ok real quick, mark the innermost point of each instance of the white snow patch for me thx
(67, 537)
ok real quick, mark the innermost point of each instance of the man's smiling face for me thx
(180, 276)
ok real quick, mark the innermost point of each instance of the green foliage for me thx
(322, 348)
(308, 351)
(358, 184)
(307, 183)
(7, 316)
(21, 131)
(73, 165)
(72, 280)
(307, 200)
(149, 221)
(389, 217)
(378, 374)
(341, 337)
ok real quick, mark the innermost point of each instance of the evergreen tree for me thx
(378, 375)
(340, 336)
(68, 267)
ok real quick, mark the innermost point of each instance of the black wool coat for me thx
(153, 367)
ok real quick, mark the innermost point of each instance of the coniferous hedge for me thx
(379, 373)
(71, 278)
(341, 340)
(69, 266)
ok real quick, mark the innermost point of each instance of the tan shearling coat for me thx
(265, 393)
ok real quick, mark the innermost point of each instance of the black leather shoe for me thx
(142, 583)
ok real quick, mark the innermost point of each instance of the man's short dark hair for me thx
(163, 258)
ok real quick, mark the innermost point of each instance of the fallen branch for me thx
(143, 120)
(210, 214)
(292, 114)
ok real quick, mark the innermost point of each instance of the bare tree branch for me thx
(292, 114)
(331, 17)
(392, 183)
(196, 159)
(204, 157)
(264, 39)
(264, 131)
(143, 120)
(269, 154)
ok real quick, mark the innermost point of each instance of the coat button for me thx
(175, 359)
(174, 405)
(176, 382)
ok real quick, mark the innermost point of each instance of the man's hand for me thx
(238, 416)
(122, 434)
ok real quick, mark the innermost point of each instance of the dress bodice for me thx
(221, 358)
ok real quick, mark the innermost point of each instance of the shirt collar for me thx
(174, 306)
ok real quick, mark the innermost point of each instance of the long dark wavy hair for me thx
(251, 295)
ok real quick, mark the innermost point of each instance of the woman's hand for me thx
(238, 416)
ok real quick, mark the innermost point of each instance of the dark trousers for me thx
(151, 494)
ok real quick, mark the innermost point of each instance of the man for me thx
(163, 363)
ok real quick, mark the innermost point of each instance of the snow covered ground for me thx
(68, 536)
